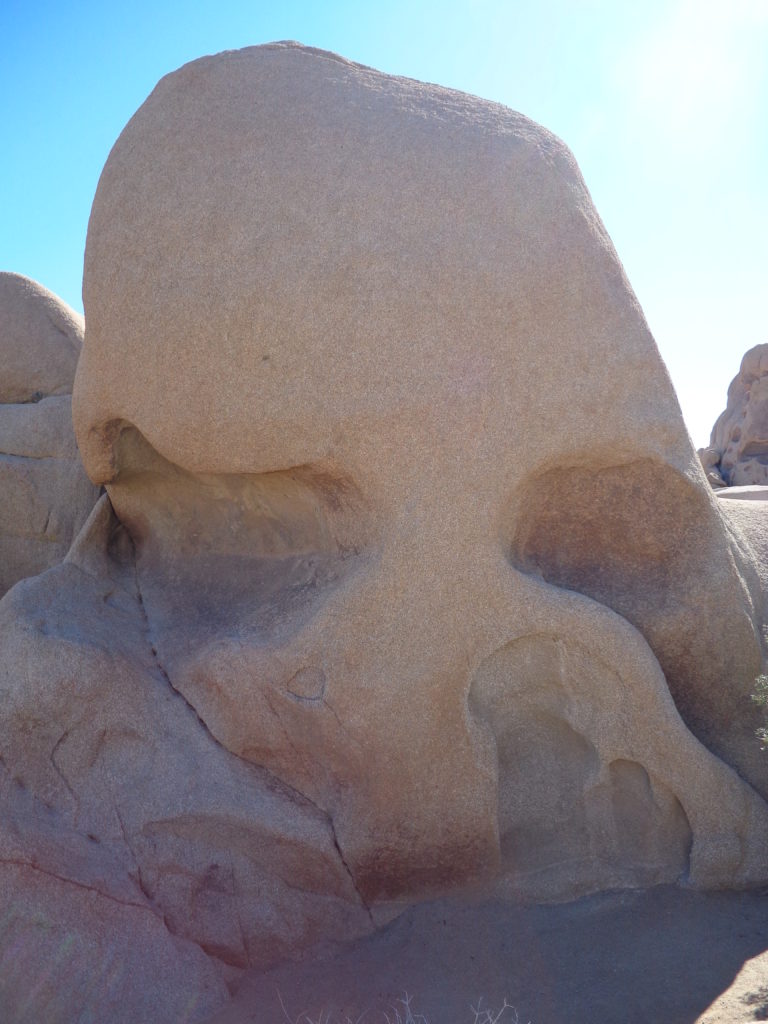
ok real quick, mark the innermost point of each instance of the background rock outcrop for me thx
(738, 448)
(45, 496)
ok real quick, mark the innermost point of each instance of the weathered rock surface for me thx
(116, 801)
(45, 496)
(738, 447)
(41, 340)
(746, 511)
(747, 492)
(377, 606)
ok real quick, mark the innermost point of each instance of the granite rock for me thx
(738, 447)
(407, 578)
(45, 496)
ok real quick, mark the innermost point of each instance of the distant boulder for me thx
(738, 448)
(45, 495)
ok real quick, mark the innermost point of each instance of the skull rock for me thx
(408, 577)
(368, 388)
(45, 495)
(740, 434)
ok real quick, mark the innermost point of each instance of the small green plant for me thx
(760, 696)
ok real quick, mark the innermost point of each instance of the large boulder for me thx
(408, 577)
(41, 341)
(45, 496)
(738, 447)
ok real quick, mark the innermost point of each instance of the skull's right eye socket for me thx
(228, 555)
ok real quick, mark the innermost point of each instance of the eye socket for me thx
(621, 533)
(233, 554)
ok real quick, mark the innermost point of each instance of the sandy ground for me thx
(663, 956)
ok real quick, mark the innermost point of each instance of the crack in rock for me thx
(19, 863)
(295, 794)
(57, 768)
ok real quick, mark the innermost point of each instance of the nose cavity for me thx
(577, 810)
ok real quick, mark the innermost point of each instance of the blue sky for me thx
(664, 103)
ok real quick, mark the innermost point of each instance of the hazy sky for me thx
(664, 103)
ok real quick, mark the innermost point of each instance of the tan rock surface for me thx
(41, 340)
(746, 511)
(369, 278)
(409, 578)
(747, 492)
(740, 435)
(45, 496)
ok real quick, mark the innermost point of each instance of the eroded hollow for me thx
(642, 539)
(569, 817)
(233, 554)
(621, 534)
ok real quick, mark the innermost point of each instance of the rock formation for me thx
(375, 606)
(738, 448)
(45, 496)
